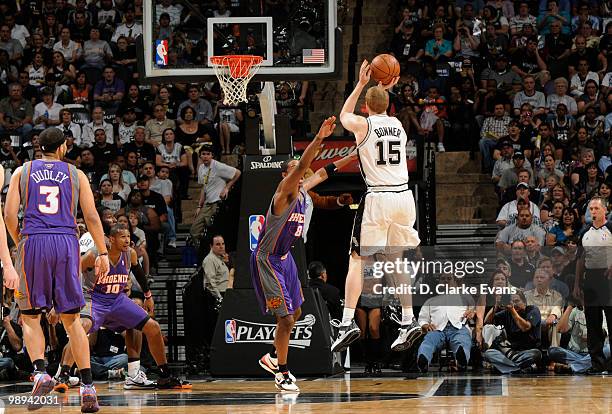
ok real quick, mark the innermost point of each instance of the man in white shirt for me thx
(444, 319)
(217, 180)
(173, 10)
(97, 122)
(130, 29)
(68, 125)
(18, 31)
(549, 302)
(509, 212)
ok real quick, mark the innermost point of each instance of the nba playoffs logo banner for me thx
(242, 331)
(161, 52)
(256, 223)
(334, 150)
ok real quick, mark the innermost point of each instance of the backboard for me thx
(298, 39)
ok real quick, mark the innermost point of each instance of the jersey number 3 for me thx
(389, 155)
(52, 202)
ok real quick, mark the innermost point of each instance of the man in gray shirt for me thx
(529, 95)
(96, 52)
(12, 46)
(520, 231)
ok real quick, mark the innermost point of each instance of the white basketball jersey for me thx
(382, 154)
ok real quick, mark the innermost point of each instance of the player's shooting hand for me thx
(149, 306)
(364, 73)
(390, 84)
(327, 128)
(102, 266)
(11, 279)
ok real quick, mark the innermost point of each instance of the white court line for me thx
(434, 388)
(505, 391)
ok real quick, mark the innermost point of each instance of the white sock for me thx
(133, 368)
(347, 316)
(407, 315)
(59, 371)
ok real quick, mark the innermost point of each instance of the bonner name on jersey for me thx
(385, 131)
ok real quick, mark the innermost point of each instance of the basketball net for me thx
(234, 73)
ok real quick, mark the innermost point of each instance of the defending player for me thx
(48, 255)
(273, 270)
(107, 305)
(9, 274)
(386, 215)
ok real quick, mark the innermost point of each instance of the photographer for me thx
(465, 44)
(519, 349)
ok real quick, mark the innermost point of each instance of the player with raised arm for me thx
(273, 270)
(49, 191)
(386, 214)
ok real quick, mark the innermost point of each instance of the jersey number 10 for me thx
(389, 155)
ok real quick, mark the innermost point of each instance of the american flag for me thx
(313, 55)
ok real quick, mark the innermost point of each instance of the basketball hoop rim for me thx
(225, 60)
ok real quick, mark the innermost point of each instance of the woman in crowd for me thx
(108, 199)
(63, 72)
(171, 154)
(568, 226)
(81, 90)
(229, 123)
(164, 98)
(122, 181)
(191, 134)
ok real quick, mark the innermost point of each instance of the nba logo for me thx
(161, 52)
(256, 223)
(230, 331)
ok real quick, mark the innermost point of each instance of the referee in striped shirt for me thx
(593, 272)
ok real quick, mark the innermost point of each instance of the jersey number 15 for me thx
(389, 155)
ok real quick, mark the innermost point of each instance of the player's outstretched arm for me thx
(324, 173)
(10, 277)
(11, 206)
(94, 225)
(356, 123)
(289, 186)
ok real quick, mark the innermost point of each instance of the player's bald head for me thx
(51, 139)
(377, 100)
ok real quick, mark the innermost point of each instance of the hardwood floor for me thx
(343, 395)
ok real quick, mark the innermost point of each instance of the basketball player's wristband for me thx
(148, 294)
(330, 169)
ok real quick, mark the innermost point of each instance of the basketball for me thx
(384, 68)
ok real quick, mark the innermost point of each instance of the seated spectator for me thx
(102, 150)
(501, 73)
(16, 113)
(519, 350)
(317, 279)
(583, 52)
(560, 95)
(486, 334)
(551, 217)
(509, 212)
(564, 129)
(47, 113)
(591, 99)
(553, 14)
(130, 29)
(406, 46)
(503, 163)
(108, 198)
(127, 127)
(96, 52)
(509, 177)
(109, 359)
(80, 90)
(162, 185)
(521, 19)
(133, 99)
(67, 125)
(434, 114)
(493, 128)
(548, 170)
(520, 269)
(545, 263)
(70, 49)
(549, 302)
(157, 125)
(438, 48)
(528, 61)
(12, 46)
(73, 153)
(172, 155)
(122, 181)
(465, 44)
(557, 50)
(530, 95)
(582, 75)
(145, 151)
(97, 122)
(443, 319)
(574, 357)
(109, 91)
(229, 123)
(523, 228)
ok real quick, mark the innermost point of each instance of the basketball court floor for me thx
(436, 393)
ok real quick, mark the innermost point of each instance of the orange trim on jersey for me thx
(277, 282)
(27, 194)
(25, 276)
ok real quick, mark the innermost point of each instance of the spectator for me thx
(575, 356)
(16, 113)
(553, 14)
(97, 122)
(406, 46)
(67, 125)
(501, 74)
(564, 129)
(509, 212)
(523, 228)
(493, 128)
(519, 350)
(161, 184)
(73, 154)
(594, 59)
(545, 263)
(172, 155)
(130, 29)
(521, 19)
(529, 95)
(217, 180)
(549, 302)
(108, 198)
(191, 133)
(443, 318)
(582, 76)
(503, 163)
(96, 52)
(145, 151)
(109, 91)
(557, 50)
(439, 48)
(123, 180)
(127, 127)
(218, 269)
(521, 270)
(509, 177)
(12, 46)
(317, 279)
(70, 49)
(465, 44)
(89, 167)
(229, 119)
(102, 151)
(528, 61)
(37, 71)
(568, 227)
(109, 359)
(553, 100)
(81, 90)
(520, 142)
(8, 158)
(18, 31)
(174, 11)
(80, 27)
(156, 126)
(46, 113)
(548, 170)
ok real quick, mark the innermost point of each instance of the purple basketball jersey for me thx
(50, 193)
(117, 279)
(280, 232)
